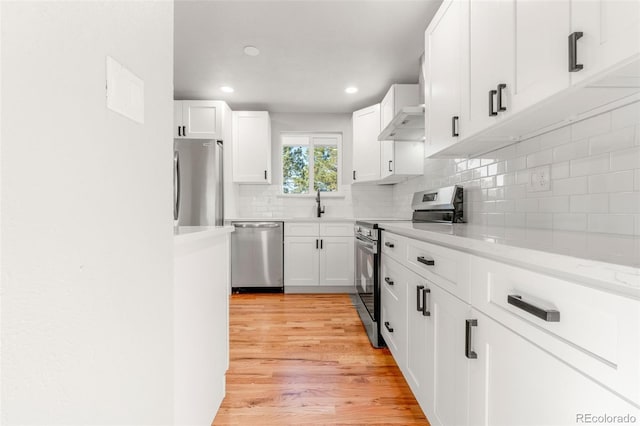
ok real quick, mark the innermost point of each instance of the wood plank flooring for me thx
(305, 359)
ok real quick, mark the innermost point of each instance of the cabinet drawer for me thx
(445, 267)
(336, 229)
(393, 277)
(394, 246)
(596, 332)
(301, 229)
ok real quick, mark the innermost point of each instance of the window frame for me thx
(312, 140)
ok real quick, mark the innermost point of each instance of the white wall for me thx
(359, 200)
(595, 179)
(86, 216)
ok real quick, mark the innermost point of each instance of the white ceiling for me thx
(310, 51)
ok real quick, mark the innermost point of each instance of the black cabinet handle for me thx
(467, 341)
(321, 244)
(454, 126)
(179, 130)
(425, 311)
(501, 87)
(549, 315)
(419, 289)
(574, 66)
(388, 327)
(265, 175)
(184, 130)
(390, 161)
(354, 175)
(428, 262)
(492, 93)
(388, 280)
(388, 244)
(317, 244)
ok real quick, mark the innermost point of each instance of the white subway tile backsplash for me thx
(625, 116)
(560, 170)
(528, 146)
(590, 165)
(570, 221)
(591, 127)
(517, 220)
(624, 202)
(626, 159)
(614, 141)
(571, 151)
(611, 223)
(539, 220)
(570, 186)
(611, 182)
(527, 205)
(554, 204)
(556, 137)
(515, 164)
(495, 219)
(636, 180)
(540, 158)
(589, 203)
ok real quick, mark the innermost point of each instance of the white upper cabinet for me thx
(445, 56)
(251, 147)
(491, 56)
(610, 34)
(400, 160)
(366, 148)
(198, 119)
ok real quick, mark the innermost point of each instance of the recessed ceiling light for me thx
(227, 89)
(351, 90)
(251, 51)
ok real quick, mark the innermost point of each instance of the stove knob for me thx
(369, 232)
(358, 229)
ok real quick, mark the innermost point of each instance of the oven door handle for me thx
(369, 247)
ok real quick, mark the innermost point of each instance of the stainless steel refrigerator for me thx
(198, 182)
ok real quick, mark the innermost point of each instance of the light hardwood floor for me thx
(305, 359)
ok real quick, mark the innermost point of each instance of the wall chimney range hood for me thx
(407, 125)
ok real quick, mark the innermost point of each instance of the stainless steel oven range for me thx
(442, 206)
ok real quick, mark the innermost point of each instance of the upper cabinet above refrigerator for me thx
(198, 119)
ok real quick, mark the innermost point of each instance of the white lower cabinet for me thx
(514, 382)
(318, 255)
(471, 358)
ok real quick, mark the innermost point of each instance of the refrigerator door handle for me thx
(176, 185)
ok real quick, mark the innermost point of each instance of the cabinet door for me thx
(336, 261)
(541, 50)
(443, 42)
(539, 388)
(202, 119)
(611, 33)
(491, 59)
(387, 160)
(420, 335)
(251, 147)
(451, 367)
(393, 304)
(177, 119)
(301, 261)
(366, 148)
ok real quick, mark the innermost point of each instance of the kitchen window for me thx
(311, 162)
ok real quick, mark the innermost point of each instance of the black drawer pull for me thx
(425, 305)
(454, 126)
(501, 87)
(419, 289)
(388, 244)
(388, 280)
(574, 66)
(428, 262)
(388, 327)
(549, 315)
(492, 94)
(467, 341)
(179, 130)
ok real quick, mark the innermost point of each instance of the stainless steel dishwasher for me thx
(257, 256)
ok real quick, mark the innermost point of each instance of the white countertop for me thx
(604, 260)
(193, 233)
(307, 219)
